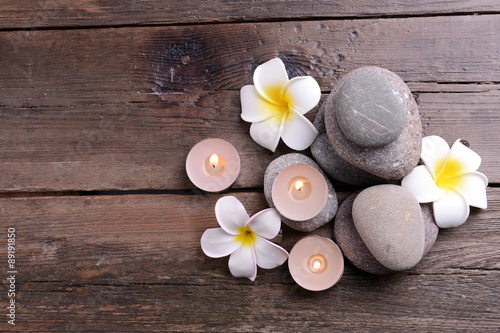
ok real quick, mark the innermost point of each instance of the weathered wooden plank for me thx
(79, 65)
(155, 239)
(92, 109)
(456, 302)
(469, 116)
(430, 87)
(144, 145)
(134, 263)
(57, 13)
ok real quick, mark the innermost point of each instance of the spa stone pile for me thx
(369, 129)
(370, 135)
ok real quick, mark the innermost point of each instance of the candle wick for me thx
(214, 160)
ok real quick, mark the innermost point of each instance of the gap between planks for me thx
(250, 21)
(343, 189)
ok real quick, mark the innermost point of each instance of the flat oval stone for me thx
(370, 109)
(356, 251)
(332, 164)
(350, 242)
(389, 220)
(329, 210)
(392, 161)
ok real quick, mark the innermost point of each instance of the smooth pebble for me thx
(370, 109)
(392, 161)
(389, 220)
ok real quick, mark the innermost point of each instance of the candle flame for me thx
(299, 185)
(214, 160)
(317, 265)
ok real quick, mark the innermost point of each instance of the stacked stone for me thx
(370, 134)
(369, 129)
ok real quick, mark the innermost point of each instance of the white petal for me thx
(302, 93)
(217, 243)
(269, 255)
(462, 158)
(256, 108)
(269, 79)
(451, 210)
(298, 132)
(266, 223)
(230, 214)
(434, 151)
(472, 186)
(242, 263)
(267, 132)
(420, 183)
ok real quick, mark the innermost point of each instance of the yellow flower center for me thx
(449, 174)
(245, 236)
(275, 94)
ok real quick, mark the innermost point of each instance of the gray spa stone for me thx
(333, 165)
(392, 161)
(349, 240)
(355, 250)
(431, 228)
(370, 109)
(319, 119)
(389, 220)
(284, 161)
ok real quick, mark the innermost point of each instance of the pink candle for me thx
(299, 192)
(213, 165)
(316, 263)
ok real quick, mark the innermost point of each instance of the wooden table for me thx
(100, 102)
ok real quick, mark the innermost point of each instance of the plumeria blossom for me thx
(244, 238)
(449, 179)
(275, 106)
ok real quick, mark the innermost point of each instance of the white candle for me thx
(213, 165)
(316, 263)
(299, 192)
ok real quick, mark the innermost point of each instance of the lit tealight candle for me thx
(316, 263)
(213, 165)
(299, 192)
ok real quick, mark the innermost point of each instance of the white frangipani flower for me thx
(244, 238)
(448, 178)
(275, 106)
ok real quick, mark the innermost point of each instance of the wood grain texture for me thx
(467, 302)
(120, 108)
(144, 145)
(58, 13)
(137, 63)
(134, 263)
(100, 95)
